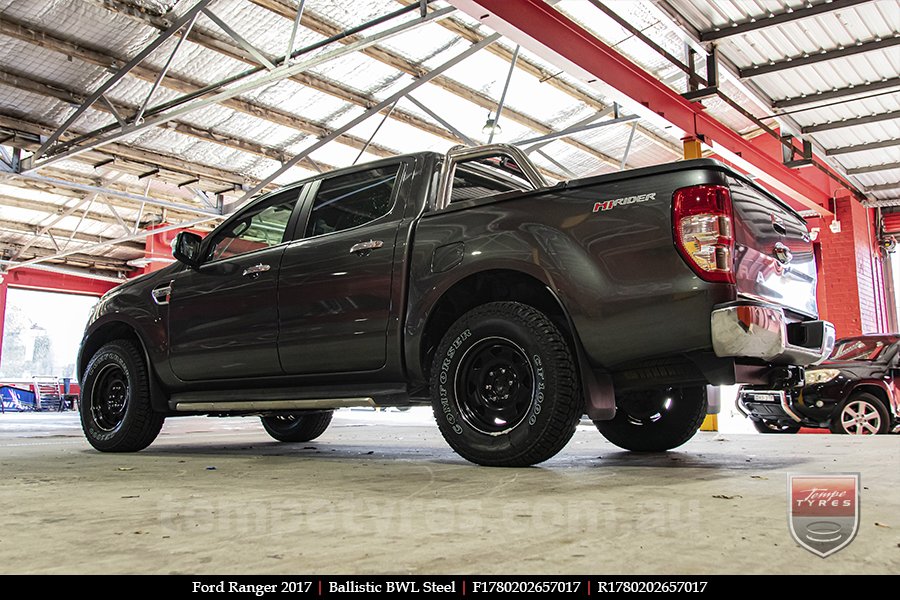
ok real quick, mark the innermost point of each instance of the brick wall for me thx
(851, 293)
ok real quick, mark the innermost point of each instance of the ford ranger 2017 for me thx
(465, 281)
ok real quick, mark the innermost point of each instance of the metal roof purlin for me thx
(128, 238)
(549, 33)
(808, 59)
(375, 109)
(852, 122)
(863, 147)
(90, 189)
(854, 90)
(873, 168)
(477, 97)
(182, 84)
(159, 117)
(186, 18)
(771, 19)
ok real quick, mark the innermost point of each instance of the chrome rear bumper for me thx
(760, 331)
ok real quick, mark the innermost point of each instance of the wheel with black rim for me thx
(861, 414)
(655, 420)
(116, 413)
(504, 388)
(297, 427)
(764, 426)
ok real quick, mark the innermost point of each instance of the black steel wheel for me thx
(116, 413)
(655, 420)
(495, 385)
(504, 387)
(297, 427)
(109, 397)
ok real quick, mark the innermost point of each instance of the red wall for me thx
(851, 277)
(159, 246)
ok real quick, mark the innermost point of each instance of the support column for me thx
(692, 148)
(851, 279)
(158, 248)
(4, 286)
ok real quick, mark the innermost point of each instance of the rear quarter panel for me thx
(617, 272)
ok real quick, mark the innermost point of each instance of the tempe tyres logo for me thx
(823, 511)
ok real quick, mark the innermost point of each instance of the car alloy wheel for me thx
(858, 417)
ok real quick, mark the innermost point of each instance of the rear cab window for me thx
(351, 200)
(483, 177)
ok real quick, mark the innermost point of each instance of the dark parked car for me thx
(854, 392)
(467, 282)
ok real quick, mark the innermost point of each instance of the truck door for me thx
(223, 316)
(335, 288)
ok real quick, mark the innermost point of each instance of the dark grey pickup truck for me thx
(467, 282)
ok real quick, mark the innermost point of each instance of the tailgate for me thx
(773, 259)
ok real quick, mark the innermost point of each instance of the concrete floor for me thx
(381, 493)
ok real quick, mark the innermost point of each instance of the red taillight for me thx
(704, 232)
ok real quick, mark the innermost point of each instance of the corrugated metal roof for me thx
(275, 121)
(843, 28)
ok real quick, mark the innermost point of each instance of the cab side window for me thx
(351, 200)
(261, 226)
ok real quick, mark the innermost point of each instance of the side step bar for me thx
(255, 405)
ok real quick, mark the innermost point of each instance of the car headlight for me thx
(820, 376)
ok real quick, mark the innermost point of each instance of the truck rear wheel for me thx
(504, 386)
(655, 420)
(116, 414)
(297, 427)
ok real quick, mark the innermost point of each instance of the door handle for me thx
(363, 248)
(255, 270)
(162, 294)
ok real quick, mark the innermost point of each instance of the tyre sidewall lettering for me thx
(447, 408)
(96, 364)
(540, 386)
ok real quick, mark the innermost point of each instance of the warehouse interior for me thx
(125, 122)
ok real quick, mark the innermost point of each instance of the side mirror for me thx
(186, 248)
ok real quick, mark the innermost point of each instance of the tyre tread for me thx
(144, 424)
(561, 426)
(309, 427)
(653, 439)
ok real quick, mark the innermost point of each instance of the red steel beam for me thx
(545, 31)
(35, 279)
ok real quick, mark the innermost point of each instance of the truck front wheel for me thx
(116, 414)
(504, 388)
(655, 420)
